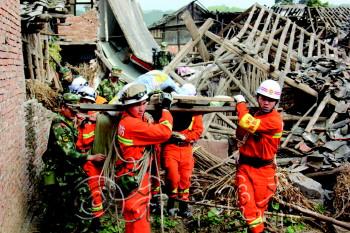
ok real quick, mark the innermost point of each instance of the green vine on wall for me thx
(54, 51)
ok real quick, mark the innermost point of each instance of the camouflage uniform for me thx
(108, 89)
(161, 58)
(164, 58)
(66, 78)
(63, 160)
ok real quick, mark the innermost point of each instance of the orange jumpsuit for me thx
(179, 162)
(255, 176)
(134, 134)
(86, 136)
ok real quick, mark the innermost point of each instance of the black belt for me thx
(181, 143)
(254, 162)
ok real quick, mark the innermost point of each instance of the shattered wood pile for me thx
(261, 44)
(332, 25)
(257, 45)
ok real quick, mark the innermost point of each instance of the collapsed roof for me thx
(123, 32)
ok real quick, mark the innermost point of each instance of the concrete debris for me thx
(309, 187)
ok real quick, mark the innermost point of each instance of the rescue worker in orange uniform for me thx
(178, 158)
(93, 166)
(256, 170)
(134, 135)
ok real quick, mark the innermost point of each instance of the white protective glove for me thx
(178, 135)
(239, 98)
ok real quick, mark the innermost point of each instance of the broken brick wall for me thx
(12, 120)
(80, 29)
(38, 123)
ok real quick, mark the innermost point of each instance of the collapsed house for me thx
(329, 24)
(261, 44)
(172, 29)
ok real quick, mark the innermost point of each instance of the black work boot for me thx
(171, 207)
(184, 211)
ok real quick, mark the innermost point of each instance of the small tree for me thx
(316, 3)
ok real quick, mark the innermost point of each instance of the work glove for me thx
(148, 117)
(166, 99)
(178, 136)
(239, 98)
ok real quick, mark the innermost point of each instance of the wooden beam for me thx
(238, 83)
(192, 28)
(188, 47)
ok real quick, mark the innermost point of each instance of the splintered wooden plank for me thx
(330, 18)
(192, 28)
(319, 48)
(263, 32)
(301, 44)
(253, 78)
(311, 45)
(311, 19)
(244, 77)
(188, 47)
(256, 25)
(238, 83)
(281, 44)
(247, 22)
(229, 80)
(270, 40)
(226, 120)
(207, 119)
(290, 48)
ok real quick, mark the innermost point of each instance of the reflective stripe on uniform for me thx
(249, 123)
(97, 208)
(255, 222)
(191, 125)
(167, 124)
(127, 142)
(185, 191)
(88, 135)
(277, 135)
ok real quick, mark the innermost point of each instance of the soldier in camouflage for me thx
(66, 78)
(63, 173)
(163, 57)
(109, 87)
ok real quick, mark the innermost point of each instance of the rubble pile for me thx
(322, 142)
(258, 45)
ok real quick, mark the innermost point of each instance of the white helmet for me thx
(134, 93)
(187, 89)
(269, 88)
(88, 93)
(77, 84)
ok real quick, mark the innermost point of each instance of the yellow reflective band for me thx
(277, 135)
(249, 123)
(156, 189)
(191, 125)
(97, 208)
(256, 222)
(185, 191)
(174, 191)
(127, 142)
(167, 124)
(88, 135)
